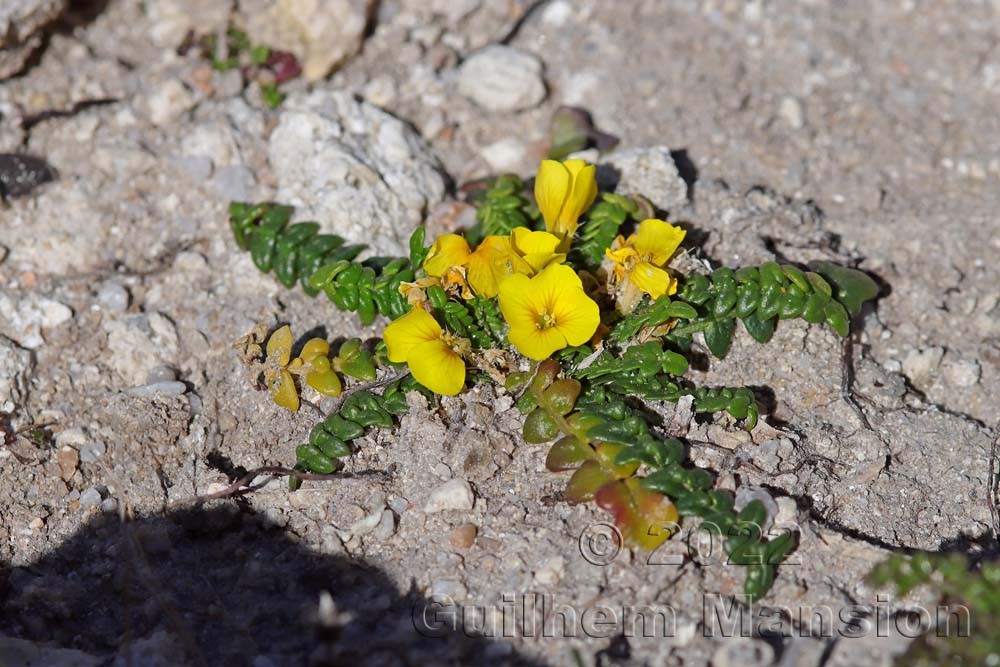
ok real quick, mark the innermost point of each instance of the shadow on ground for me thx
(223, 587)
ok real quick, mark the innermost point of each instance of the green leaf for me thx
(760, 330)
(719, 336)
(852, 287)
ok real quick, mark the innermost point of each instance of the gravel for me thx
(455, 494)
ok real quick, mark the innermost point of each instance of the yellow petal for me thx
(279, 346)
(621, 255)
(555, 292)
(658, 240)
(314, 347)
(652, 280)
(538, 344)
(447, 251)
(537, 249)
(584, 189)
(577, 316)
(438, 367)
(409, 331)
(283, 391)
(553, 185)
(488, 265)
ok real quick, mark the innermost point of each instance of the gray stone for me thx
(21, 30)
(502, 78)
(15, 372)
(91, 451)
(386, 527)
(158, 389)
(652, 173)
(455, 494)
(322, 33)
(162, 373)
(355, 169)
(168, 101)
(25, 319)
(961, 372)
(112, 297)
(91, 497)
(172, 20)
(234, 183)
(140, 343)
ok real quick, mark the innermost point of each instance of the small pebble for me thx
(463, 536)
(68, 459)
(161, 374)
(37, 523)
(386, 527)
(112, 297)
(91, 497)
(91, 451)
(109, 505)
(455, 494)
(502, 78)
(158, 389)
(399, 504)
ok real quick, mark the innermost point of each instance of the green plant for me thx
(965, 590)
(587, 328)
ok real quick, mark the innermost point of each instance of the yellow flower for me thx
(418, 340)
(533, 251)
(451, 258)
(564, 191)
(547, 312)
(638, 264)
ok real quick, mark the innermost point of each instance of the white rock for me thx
(551, 572)
(112, 297)
(790, 110)
(21, 23)
(922, 365)
(25, 319)
(386, 526)
(140, 343)
(158, 389)
(321, 33)
(355, 169)
(168, 101)
(455, 494)
(652, 173)
(506, 155)
(364, 525)
(15, 371)
(557, 13)
(171, 20)
(961, 372)
(380, 91)
(502, 78)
